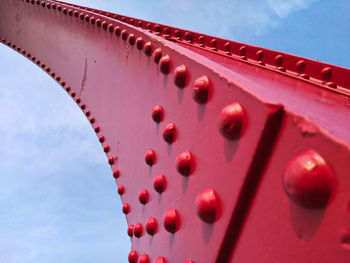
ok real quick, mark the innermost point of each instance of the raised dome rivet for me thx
(132, 39)
(78, 100)
(147, 48)
(157, 113)
(92, 20)
(81, 16)
(139, 43)
(300, 66)
(124, 34)
(126, 208)
(132, 258)
(279, 60)
(159, 183)
(185, 163)
(117, 31)
(243, 51)
(169, 133)
(188, 261)
(76, 13)
(308, 180)
(164, 64)
(130, 230)
(143, 196)
(83, 106)
(116, 174)
(92, 119)
(121, 190)
(157, 54)
(87, 113)
(206, 203)
(160, 260)
(230, 121)
(171, 220)
(68, 89)
(201, 89)
(326, 74)
(150, 157)
(97, 129)
(144, 258)
(138, 230)
(104, 25)
(98, 22)
(151, 226)
(260, 56)
(111, 160)
(106, 148)
(101, 138)
(87, 18)
(180, 76)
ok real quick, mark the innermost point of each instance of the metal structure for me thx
(221, 151)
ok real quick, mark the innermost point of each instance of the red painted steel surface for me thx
(222, 152)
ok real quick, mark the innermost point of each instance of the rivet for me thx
(117, 31)
(201, 89)
(123, 19)
(104, 25)
(126, 208)
(157, 29)
(110, 28)
(243, 51)
(92, 120)
(169, 133)
(230, 121)
(139, 43)
(201, 41)
(64, 10)
(171, 220)
(326, 74)
(164, 64)
(213, 44)
(130, 230)
(331, 84)
(180, 76)
(43, 66)
(304, 76)
(111, 160)
(43, 4)
(150, 157)
(132, 39)
(97, 129)
(73, 94)
(300, 66)
(121, 190)
(132, 258)
(59, 8)
(101, 138)
(138, 230)
(48, 6)
(143, 196)
(83, 106)
(308, 180)
(188, 261)
(116, 173)
(124, 34)
(188, 37)
(48, 70)
(144, 259)
(53, 6)
(92, 20)
(166, 32)
(160, 260)
(106, 148)
(151, 226)
(139, 24)
(87, 113)
(279, 60)
(147, 48)
(58, 78)
(76, 13)
(227, 47)
(206, 203)
(87, 18)
(177, 34)
(98, 22)
(78, 100)
(157, 54)
(67, 88)
(185, 163)
(159, 183)
(131, 21)
(260, 57)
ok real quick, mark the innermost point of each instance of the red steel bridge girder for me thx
(222, 152)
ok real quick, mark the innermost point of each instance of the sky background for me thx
(58, 199)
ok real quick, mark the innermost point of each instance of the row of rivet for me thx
(326, 72)
(144, 258)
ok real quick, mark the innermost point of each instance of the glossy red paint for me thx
(262, 134)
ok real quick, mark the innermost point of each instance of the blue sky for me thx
(58, 200)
